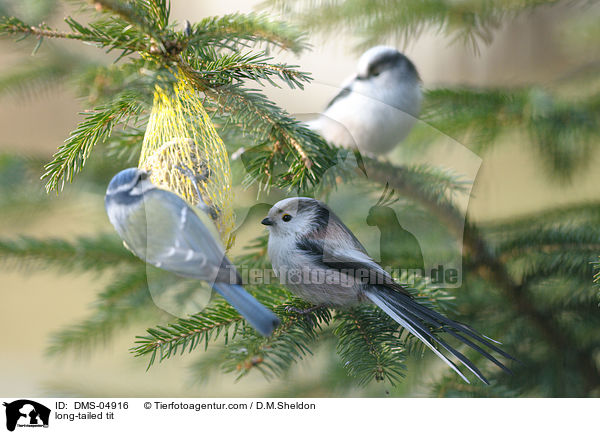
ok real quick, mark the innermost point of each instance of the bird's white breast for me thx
(319, 285)
(372, 118)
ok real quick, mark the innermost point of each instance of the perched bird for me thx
(307, 239)
(162, 229)
(377, 107)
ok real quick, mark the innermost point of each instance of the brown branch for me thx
(48, 33)
(17, 27)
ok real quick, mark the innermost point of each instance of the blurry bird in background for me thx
(377, 107)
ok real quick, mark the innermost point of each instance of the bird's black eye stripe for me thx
(384, 62)
(286, 217)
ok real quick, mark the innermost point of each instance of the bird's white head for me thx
(384, 63)
(296, 216)
(132, 181)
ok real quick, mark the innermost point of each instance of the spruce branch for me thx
(373, 346)
(369, 345)
(149, 16)
(130, 31)
(125, 300)
(237, 67)
(563, 132)
(11, 26)
(482, 258)
(100, 84)
(585, 213)
(30, 78)
(556, 239)
(219, 319)
(244, 349)
(524, 262)
(142, 26)
(378, 22)
(125, 145)
(568, 292)
(290, 342)
(111, 33)
(541, 266)
(105, 33)
(86, 253)
(233, 30)
(303, 154)
(187, 334)
(97, 126)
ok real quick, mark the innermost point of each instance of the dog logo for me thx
(26, 413)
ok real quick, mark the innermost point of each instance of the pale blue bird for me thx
(161, 228)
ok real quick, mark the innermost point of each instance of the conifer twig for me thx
(482, 258)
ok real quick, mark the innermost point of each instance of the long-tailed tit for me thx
(377, 107)
(162, 229)
(321, 261)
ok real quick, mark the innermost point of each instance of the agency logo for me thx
(25, 413)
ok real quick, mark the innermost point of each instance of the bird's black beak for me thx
(267, 221)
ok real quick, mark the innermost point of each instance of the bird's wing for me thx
(340, 95)
(352, 262)
(178, 240)
(346, 90)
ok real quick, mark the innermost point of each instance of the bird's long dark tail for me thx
(259, 317)
(417, 319)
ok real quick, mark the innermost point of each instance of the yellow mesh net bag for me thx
(180, 133)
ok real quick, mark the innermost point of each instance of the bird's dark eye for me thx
(142, 176)
(286, 217)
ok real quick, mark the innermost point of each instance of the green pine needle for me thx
(86, 253)
(97, 127)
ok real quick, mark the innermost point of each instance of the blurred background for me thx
(543, 47)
